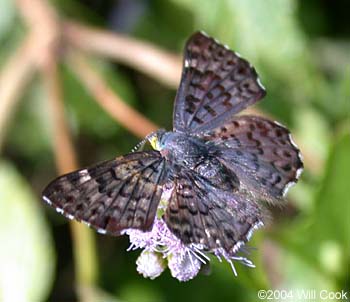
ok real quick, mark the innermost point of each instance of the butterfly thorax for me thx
(180, 148)
(185, 152)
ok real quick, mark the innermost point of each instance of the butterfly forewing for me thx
(216, 83)
(260, 152)
(114, 195)
(198, 213)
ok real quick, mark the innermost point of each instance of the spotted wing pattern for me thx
(216, 83)
(114, 195)
(199, 213)
(260, 152)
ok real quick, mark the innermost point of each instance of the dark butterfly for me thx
(217, 166)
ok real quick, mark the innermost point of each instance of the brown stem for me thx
(108, 99)
(142, 56)
(45, 28)
(64, 151)
(14, 77)
(83, 239)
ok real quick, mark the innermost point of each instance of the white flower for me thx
(183, 267)
(150, 264)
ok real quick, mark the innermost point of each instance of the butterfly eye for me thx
(154, 143)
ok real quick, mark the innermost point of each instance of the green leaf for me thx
(298, 275)
(140, 292)
(27, 256)
(33, 122)
(341, 105)
(313, 132)
(7, 16)
(318, 244)
(332, 202)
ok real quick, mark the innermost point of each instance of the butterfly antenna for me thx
(141, 144)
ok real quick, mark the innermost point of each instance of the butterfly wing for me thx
(216, 83)
(199, 213)
(260, 152)
(114, 195)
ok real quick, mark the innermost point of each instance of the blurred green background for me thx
(301, 50)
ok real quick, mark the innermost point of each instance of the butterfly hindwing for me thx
(199, 213)
(113, 195)
(260, 152)
(216, 83)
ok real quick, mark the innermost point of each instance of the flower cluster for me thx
(162, 248)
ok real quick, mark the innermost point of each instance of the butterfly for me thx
(217, 167)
